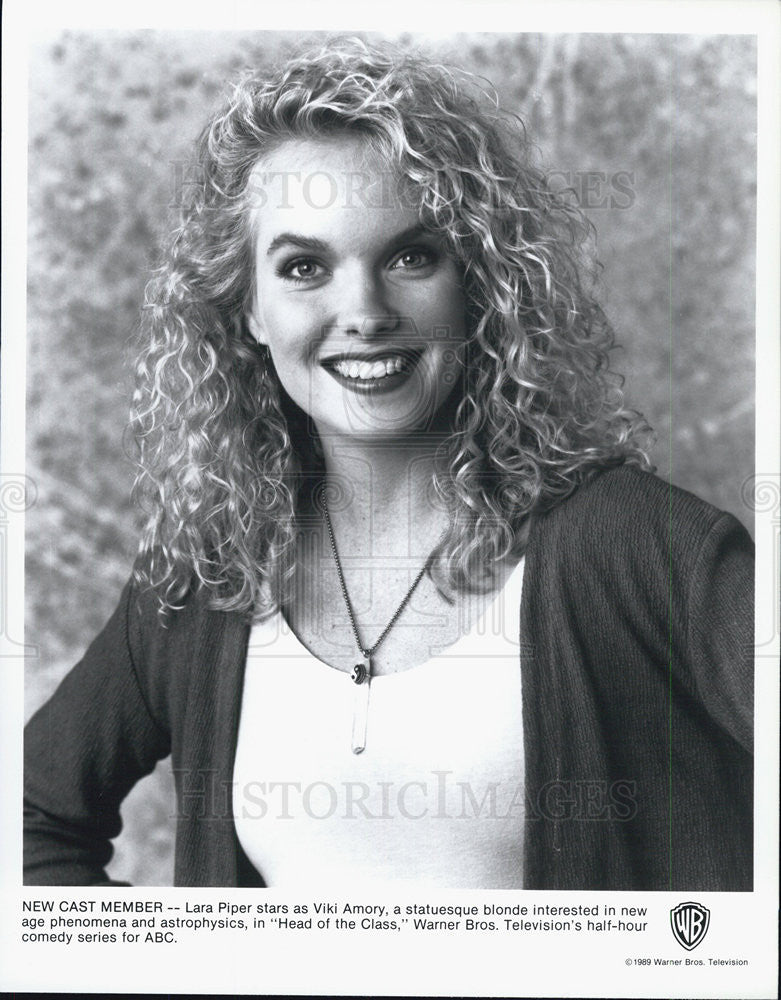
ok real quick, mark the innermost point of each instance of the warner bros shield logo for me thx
(690, 922)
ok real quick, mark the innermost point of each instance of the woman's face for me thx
(362, 310)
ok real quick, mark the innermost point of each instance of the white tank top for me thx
(436, 798)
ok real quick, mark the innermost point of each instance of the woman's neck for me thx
(379, 494)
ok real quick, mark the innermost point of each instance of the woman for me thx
(376, 420)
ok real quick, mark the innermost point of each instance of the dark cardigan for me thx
(636, 666)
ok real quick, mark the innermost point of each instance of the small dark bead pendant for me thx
(362, 671)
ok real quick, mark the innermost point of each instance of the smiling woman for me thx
(353, 294)
(410, 605)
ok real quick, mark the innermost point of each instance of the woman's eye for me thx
(411, 259)
(301, 269)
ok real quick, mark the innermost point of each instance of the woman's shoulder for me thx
(628, 555)
(170, 648)
(628, 512)
(187, 621)
(627, 496)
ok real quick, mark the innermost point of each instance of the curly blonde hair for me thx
(223, 452)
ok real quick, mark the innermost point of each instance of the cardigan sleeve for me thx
(84, 750)
(720, 628)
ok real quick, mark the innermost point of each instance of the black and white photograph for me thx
(390, 493)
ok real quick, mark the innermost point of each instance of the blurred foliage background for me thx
(656, 135)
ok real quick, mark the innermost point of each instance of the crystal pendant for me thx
(361, 676)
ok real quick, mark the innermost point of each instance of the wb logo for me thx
(690, 923)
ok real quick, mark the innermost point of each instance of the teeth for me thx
(370, 369)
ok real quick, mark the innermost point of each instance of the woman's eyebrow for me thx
(316, 245)
(295, 239)
(410, 233)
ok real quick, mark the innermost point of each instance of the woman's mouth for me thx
(369, 369)
(380, 372)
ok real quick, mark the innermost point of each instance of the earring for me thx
(264, 359)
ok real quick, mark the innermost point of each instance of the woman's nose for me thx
(364, 308)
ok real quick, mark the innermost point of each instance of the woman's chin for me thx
(362, 421)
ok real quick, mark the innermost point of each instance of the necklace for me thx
(362, 672)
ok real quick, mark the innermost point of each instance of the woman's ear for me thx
(255, 327)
